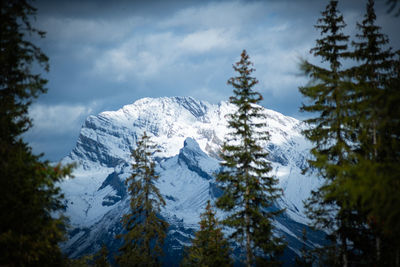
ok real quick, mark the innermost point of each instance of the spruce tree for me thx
(327, 95)
(375, 171)
(145, 229)
(249, 191)
(209, 247)
(330, 96)
(30, 229)
(371, 76)
(386, 210)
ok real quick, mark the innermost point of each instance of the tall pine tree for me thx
(249, 191)
(329, 96)
(209, 247)
(145, 229)
(29, 228)
(372, 77)
(375, 172)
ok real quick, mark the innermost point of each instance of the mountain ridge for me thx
(188, 133)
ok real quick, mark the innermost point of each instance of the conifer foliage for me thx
(209, 247)
(356, 141)
(249, 191)
(145, 229)
(29, 228)
(101, 257)
(372, 76)
(327, 95)
(376, 169)
(331, 130)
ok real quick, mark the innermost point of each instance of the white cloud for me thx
(203, 41)
(177, 41)
(57, 119)
(88, 30)
(138, 57)
(222, 14)
(147, 55)
(278, 72)
(127, 50)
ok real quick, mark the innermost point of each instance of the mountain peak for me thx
(189, 133)
(196, 107)
(191, 143)
(109, 137)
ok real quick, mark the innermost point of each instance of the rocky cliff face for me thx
(189, 134)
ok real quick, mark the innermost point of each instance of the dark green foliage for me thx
(101, 257)
(30, 230)
(376, 172)
(306, 259)
(92, 260)
(248, 191)
(29, 235)
(18, 85)
(330, 96)
(356, 143)
(371, 77)
(145, 230)
(84, 261)
(209, 247)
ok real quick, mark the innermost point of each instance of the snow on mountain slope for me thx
(189, 134)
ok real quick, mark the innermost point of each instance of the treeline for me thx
(354, 128)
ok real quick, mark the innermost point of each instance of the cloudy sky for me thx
(106, 54)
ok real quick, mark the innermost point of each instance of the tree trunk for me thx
(378, 249)
(249, 253)
(344, 253)
(248, 242)
(248, 248)
(377, 238)
(374, 139)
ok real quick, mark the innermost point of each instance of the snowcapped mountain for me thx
(189, 134)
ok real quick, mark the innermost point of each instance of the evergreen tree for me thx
(83, 261)
(249, 192)
(145, 229)
(372, 76)
(209, 247)
(375, 172)
(360, 122)
(306, 259)
(330, 96)
(101, 257)
(29, 228)
(91, 260)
